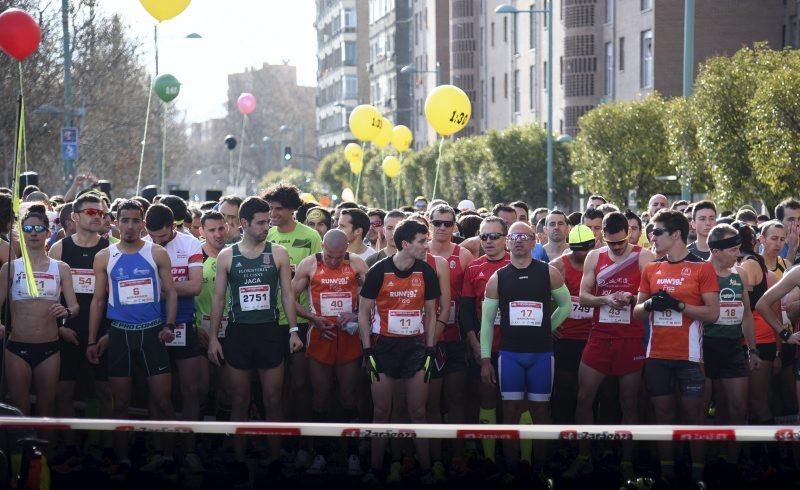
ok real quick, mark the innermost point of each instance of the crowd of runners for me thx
(271, 308)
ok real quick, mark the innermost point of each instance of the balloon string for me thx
(383, 178)
(162, 187)
(438, 160)
(24, 136)
(15, 204)
(144, 138)
(363, 165)
(241, 148)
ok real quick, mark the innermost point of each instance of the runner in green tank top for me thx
(253, 269)
(727, 363)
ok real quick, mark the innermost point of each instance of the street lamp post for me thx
(69, 165)
(548, 11)
(688, 75)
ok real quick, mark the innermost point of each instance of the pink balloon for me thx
(246, 103)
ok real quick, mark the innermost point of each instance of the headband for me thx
(178, 222)
(724, 243)
(582, 246)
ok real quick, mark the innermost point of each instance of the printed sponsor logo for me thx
(704, 435)
(617, 435)
(268, 431)
(138, 428)
(488, 434)
(383, 434)
(787, 435)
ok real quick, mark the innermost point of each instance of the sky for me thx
(237, 34)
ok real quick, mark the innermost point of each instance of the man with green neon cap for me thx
(533, 301)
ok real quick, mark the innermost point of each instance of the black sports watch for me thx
(785, 334)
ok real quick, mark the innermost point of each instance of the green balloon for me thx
(167, 87)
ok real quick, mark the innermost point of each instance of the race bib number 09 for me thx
(405, 322)
(136, 291)
(525, 313)
(334, 304)
(253, 298)
(83, 281)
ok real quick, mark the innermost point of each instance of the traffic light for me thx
(287, 153)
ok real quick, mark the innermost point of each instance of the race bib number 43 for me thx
(615, 315)
(525, 313)
(252, 298)
(136, 291)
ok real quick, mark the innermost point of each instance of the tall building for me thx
(342, 82)
(389, 51)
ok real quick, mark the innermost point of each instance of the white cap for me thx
(465, 205)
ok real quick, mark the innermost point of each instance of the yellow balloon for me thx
(347, 194)
(353, 152)
(365, 122)
(356, 166)
(401, 138)
(448, 109)
(308, 197)
(385, 135)
(391, 166)
(165, 9)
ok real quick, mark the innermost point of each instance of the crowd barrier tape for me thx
(747, 433)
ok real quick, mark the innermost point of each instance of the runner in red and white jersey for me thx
(678, 295)
(610, 282)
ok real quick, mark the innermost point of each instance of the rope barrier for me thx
(427, 431)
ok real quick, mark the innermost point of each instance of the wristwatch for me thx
(785, 334)
(294, 329)
(681, 306)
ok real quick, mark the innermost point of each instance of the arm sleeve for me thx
(487, 326)
(563, 306)
(468, 316)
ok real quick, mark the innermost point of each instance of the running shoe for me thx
(580, 467)
(354, 466)
(318, 466)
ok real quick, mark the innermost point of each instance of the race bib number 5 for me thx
(252, 298)
(525, 313)
(136, 291)
(334, 304)
(405, 322)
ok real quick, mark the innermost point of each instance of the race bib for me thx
(83, 281)
(45, 283)
(668, 318)
(525, 313)
(205, 324)
(730, 313)
(405, 322)
(253, 298)
(579, 312)
(180, 336)
(334, 304)
(614, 315)
(136, 291)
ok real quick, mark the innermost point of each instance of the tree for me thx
(685, 154)
(623, 146)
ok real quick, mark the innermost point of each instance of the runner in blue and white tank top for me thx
(134, 273)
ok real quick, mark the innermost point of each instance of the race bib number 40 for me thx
(580, 312)
(83, 281)
(615, 315)
(668, 318)
(334, 304)
(253, 298)
(405, 322)
(136, 291)
(525, 313)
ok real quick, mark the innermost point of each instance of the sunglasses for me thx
(34, 228)
(519, 237)
(659, 231)
(614, 243)
(420, 205)
(93, 212)
(376, 224)
(490, 236)
(437, 223)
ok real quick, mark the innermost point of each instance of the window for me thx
(546, 15)
(492, 34)
(492, 89)
(545, 75)
(609, 11)
(516, 90)
(349, 53)
(561, 70)
(646, 77)
(515, 35)
(532, 27)
(533, 88)
(350, 87)
(646, 5)
(505, 85)
(505, 28)
(622, 54)
(609, 69)
(349, 18)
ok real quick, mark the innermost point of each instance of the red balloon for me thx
(19, 33)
